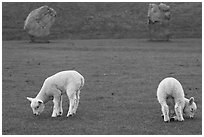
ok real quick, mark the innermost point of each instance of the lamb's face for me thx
(190, 108)
(37, 106)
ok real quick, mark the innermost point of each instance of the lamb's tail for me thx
(82, 83)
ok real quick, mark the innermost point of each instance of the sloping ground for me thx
(102, 20)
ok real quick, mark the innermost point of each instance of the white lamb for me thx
(171, 88)
(69, 82)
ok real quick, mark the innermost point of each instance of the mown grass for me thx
(121, 78)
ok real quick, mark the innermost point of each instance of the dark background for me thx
(102, 20)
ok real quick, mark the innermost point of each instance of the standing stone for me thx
(158, 21)
(39, 22)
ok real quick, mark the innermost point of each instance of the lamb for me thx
(171, 88)
(65, 82)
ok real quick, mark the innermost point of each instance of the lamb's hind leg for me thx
(76, 101)
(165, 111)
(61, 109)
(71, 93)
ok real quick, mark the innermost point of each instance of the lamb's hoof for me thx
(172, 119)
(70, 115)
(180, 120)
(59, 115)
(167, 121)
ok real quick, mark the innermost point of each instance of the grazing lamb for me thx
(171, 88)
(69, 82)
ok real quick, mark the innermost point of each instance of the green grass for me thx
(121, 78)
(101, 20)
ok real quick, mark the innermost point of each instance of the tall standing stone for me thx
(158, 21)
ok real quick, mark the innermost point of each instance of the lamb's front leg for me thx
(57, 109)
(179, 112)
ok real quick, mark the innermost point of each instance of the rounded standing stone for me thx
(39, 22)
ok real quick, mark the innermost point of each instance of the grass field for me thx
(121, 78)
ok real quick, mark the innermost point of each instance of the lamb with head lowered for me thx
(171, 88)
(65, 82)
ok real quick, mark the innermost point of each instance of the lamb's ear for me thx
(40, 101)
(30, 99)
(191, 100)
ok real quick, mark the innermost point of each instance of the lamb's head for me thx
(37, 105)
(190, 108)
